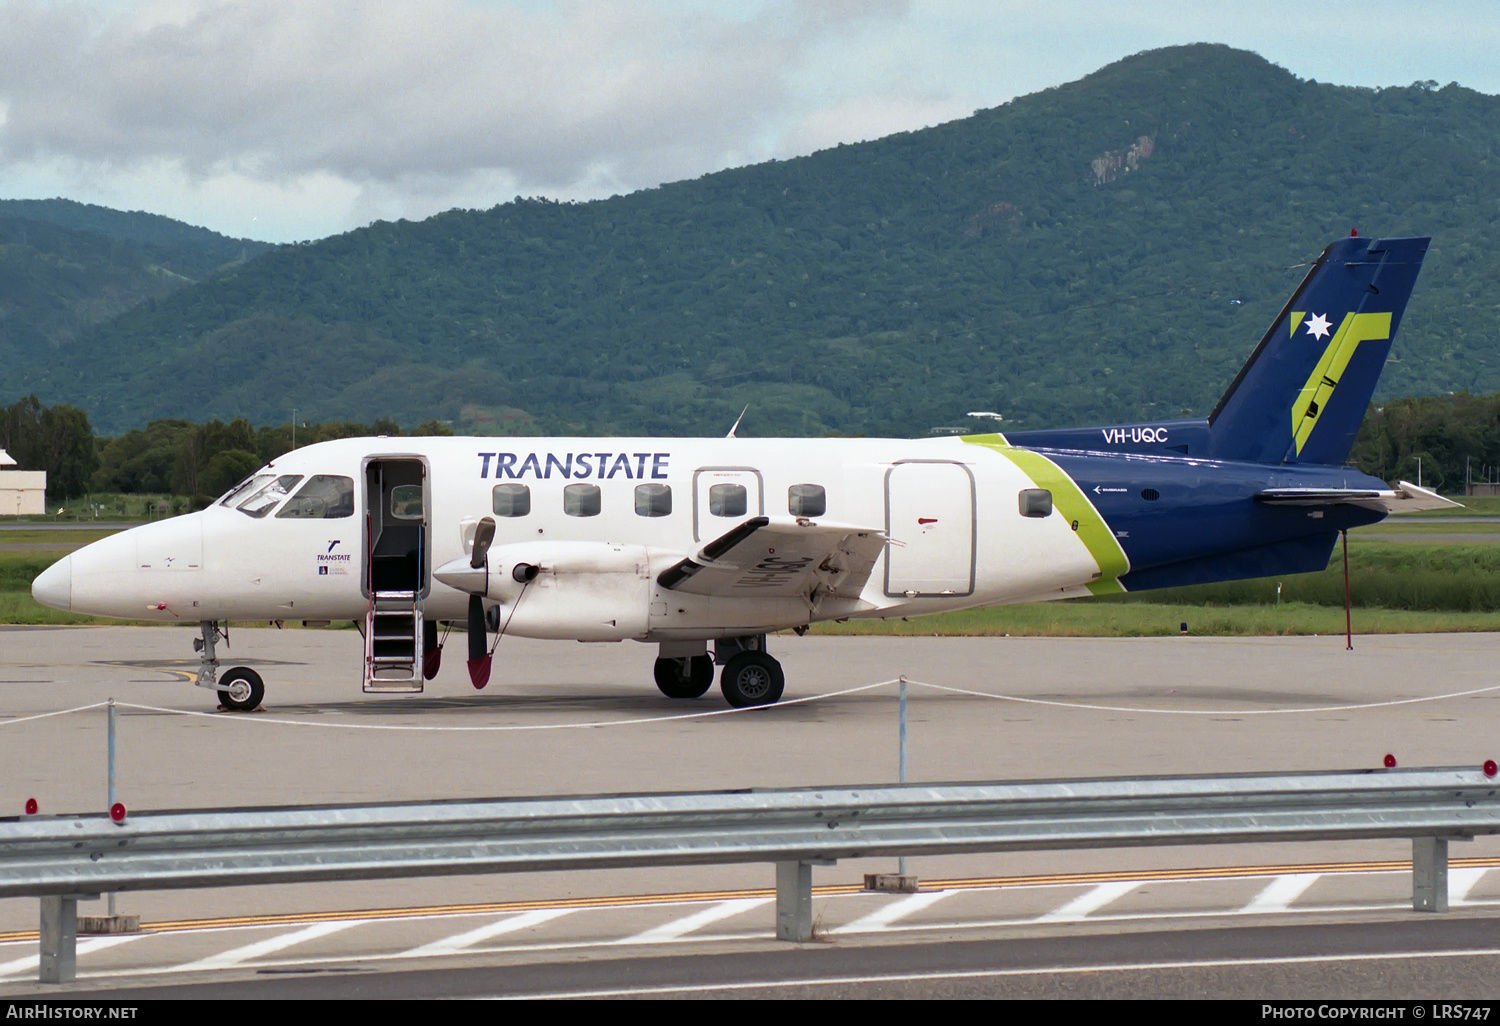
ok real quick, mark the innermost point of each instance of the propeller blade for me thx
(431, 660)
(484, 536)
(479, 671)
(478, 643)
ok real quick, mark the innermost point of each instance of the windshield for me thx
(265, 498)
(244, 488)
(324, 497)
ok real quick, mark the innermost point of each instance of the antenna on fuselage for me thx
(737, 421)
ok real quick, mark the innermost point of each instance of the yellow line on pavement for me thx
(827, 890)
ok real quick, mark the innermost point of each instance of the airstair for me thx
(393, 643)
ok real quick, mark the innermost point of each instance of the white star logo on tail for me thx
(1317, 326)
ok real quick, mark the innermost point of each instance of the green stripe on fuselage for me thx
(1069, 500)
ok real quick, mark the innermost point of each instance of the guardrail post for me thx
(1429, 874)
(59, 940)
(794, 901)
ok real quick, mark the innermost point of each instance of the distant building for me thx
(22, 492)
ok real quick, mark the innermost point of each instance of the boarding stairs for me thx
(393, 643)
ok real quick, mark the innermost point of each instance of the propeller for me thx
(479, 656)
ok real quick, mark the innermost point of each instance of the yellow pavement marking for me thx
(826, 890)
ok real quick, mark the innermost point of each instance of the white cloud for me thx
(316, 115)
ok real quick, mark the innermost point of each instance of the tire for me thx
(243, 690)
(752, 678)
(685, 678)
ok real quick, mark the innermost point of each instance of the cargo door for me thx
(929, 519)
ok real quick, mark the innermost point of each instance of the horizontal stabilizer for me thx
(1405, 498)
(771, 558)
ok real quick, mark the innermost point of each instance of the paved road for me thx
(567, 718)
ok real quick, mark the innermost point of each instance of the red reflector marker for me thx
(1390, 762)
(1490, 768)
(117, 812)
(31, 806)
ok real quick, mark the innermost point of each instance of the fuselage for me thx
(303, 537)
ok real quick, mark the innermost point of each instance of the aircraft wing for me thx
(772, 558)
(1404, 498)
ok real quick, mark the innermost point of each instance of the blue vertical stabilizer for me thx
(1303, 393)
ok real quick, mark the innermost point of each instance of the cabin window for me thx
(1036, 502)
(581, 500)
(265, 498)
(406, 502)
(806, 500)
(653, 500)
(727, 500)
(511, 500)
(324, 497)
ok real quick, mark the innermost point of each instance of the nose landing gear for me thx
(241, 688)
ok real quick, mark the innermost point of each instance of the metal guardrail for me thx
(64, 859)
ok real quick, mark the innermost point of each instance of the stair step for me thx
(393, 643)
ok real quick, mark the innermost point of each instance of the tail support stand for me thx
(1348, 616)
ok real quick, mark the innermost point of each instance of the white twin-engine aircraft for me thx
(686, 542)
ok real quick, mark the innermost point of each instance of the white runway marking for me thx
(510, 924)
(980, 974)
(688, 924)
(882, 918)
(31, 962)
(1461, 882)
(1092, 901)
(238, 956)
(1279, 894)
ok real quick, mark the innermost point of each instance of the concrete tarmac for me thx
(561, 718)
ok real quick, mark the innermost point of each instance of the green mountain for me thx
(67, 266)
(186, 249)
(1107, 250)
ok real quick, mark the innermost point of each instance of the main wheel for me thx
(685, 678)
(243, 690)
(752, 678)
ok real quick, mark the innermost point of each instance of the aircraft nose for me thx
(54, 585)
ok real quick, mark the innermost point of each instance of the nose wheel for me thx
(241, 690)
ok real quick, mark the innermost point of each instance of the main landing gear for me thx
(750, 676)
(240, 689)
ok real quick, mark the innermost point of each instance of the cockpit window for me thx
(265, 498)
(324, 497)
(244, 488)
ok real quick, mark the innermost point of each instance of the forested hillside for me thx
(1108, 250)
(67, 266)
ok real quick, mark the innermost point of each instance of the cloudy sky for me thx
(295, 119)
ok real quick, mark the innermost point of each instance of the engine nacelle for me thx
(586, 591)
